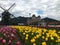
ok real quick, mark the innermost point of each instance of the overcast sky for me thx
(44, 8)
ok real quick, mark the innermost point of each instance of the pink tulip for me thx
(10, 42)
(11, 38)
(3, 41)
(5, 35)
(12, 35)
(14, 32)
(8, 36)
(18, 43)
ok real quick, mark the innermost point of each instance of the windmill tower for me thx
(6, 16)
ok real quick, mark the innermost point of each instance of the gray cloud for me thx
(51, 8)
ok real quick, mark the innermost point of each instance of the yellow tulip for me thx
(27, 35)
(24, 33)
(46, 39)
(42, 37)
(52, 38)
(43, 43)
(32, 40)
(26, 38)
(35, 37)
(34, 43)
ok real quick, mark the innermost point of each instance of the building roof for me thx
(50, 19)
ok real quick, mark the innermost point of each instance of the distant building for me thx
(34, 20)
(20, 23)
(42, 22)
(50, 21)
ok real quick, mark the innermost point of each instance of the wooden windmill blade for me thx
(2, 8)
(11, 6)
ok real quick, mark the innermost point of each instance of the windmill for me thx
(6, 15)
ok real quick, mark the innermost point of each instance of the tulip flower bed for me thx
(38, 36)
(8, 36)
(26, 35)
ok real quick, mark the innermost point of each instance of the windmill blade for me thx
(11, 6)
(2, 8)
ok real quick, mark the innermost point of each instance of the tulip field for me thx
(8, 36)
(27, 35)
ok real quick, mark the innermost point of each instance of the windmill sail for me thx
(11, 6)
(2, 8)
